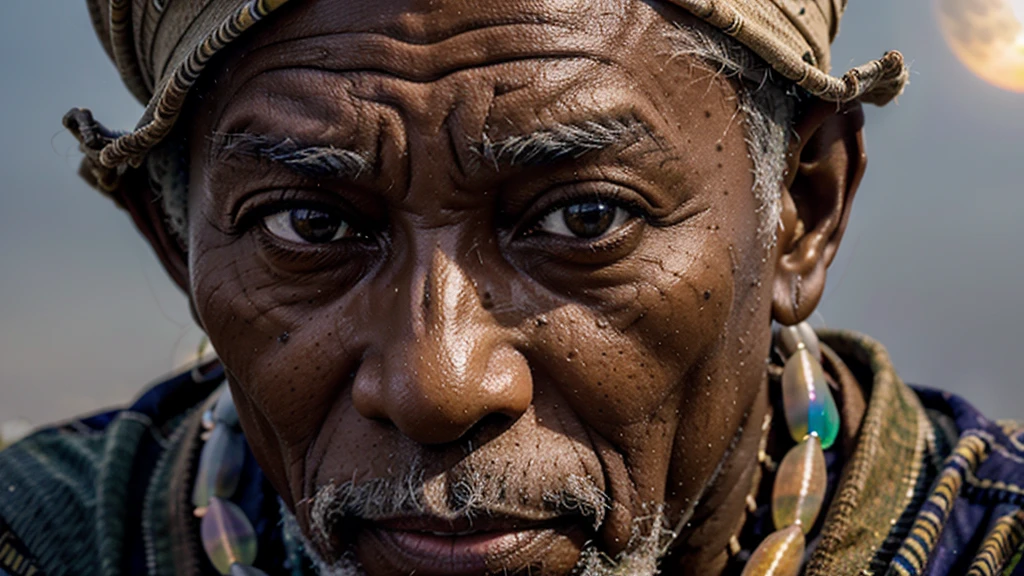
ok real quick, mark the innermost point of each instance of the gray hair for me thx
(766, 102)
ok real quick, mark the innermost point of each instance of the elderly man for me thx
(492, 289)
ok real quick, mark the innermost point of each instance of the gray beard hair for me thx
(389, 498)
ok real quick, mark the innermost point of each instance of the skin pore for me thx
(552, 353)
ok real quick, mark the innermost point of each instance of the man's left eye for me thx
(586, 220)
(308, 225)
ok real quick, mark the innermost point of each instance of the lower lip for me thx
(431, 554)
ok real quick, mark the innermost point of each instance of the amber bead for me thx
(228, 536)
(799, 488)
(780, 554)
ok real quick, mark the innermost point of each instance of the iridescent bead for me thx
(208, 422)
(780, 554)
(790, 338)
(243, 570)
(224, 410)
(228, 536)
(799, 488)
(220, 466)
(810, 408)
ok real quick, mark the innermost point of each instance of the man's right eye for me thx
(308, 225)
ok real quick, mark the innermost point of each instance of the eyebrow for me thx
(561, 141)
(312, 161)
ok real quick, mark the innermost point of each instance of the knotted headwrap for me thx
(160, 48)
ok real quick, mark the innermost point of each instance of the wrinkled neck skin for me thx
(487, 283)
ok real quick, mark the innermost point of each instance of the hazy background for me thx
(931, 265)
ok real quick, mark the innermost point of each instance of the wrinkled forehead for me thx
(432, 30)
(531, 58)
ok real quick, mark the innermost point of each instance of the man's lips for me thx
(437, 547)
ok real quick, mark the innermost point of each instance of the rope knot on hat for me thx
(93, 138)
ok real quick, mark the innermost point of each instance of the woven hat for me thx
(161, 46)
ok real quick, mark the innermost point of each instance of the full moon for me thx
(988, 37)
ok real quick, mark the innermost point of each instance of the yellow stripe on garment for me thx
(999, 545)
(970, 452)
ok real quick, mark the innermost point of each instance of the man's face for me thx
(485, 277)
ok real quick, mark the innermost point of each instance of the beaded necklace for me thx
(228, 537)
(801, 479)
(798, 492)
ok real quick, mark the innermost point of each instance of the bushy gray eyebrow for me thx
(312, 161)
(561, 141)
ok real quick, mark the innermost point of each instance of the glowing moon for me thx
(988, 37)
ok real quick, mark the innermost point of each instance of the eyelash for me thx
(537, 215)
(252, 212)
(249, 212)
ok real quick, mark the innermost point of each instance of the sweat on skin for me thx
(454, 330)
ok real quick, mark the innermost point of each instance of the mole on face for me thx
(519, 341)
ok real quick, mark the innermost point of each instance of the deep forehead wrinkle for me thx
(417, 48)
(422, 34)
(418, 63)
(426, 22)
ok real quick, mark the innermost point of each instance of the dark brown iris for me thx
(589, 219)
(315, 226)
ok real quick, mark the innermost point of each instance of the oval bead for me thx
(810, 408)
(790, 338)
(780, 554)
(224, 410)
(800, 484)
(220, 466)
(228, 536)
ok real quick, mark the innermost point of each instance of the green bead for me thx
(800, 483)
(810, 408)
(780, 554)
(228, 536)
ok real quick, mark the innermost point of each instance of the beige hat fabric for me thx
(161, 46)
(794, 38)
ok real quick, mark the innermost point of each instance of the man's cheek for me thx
(277, 365)
(674, 299)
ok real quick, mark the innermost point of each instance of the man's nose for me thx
(443, 363)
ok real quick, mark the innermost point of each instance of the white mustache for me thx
(649, 542)
(473, 494)
(469, 496)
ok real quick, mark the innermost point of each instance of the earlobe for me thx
(826, 163)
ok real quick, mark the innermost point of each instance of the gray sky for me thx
(931, 264)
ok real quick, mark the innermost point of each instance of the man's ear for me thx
(826, 161)
(137, 197)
